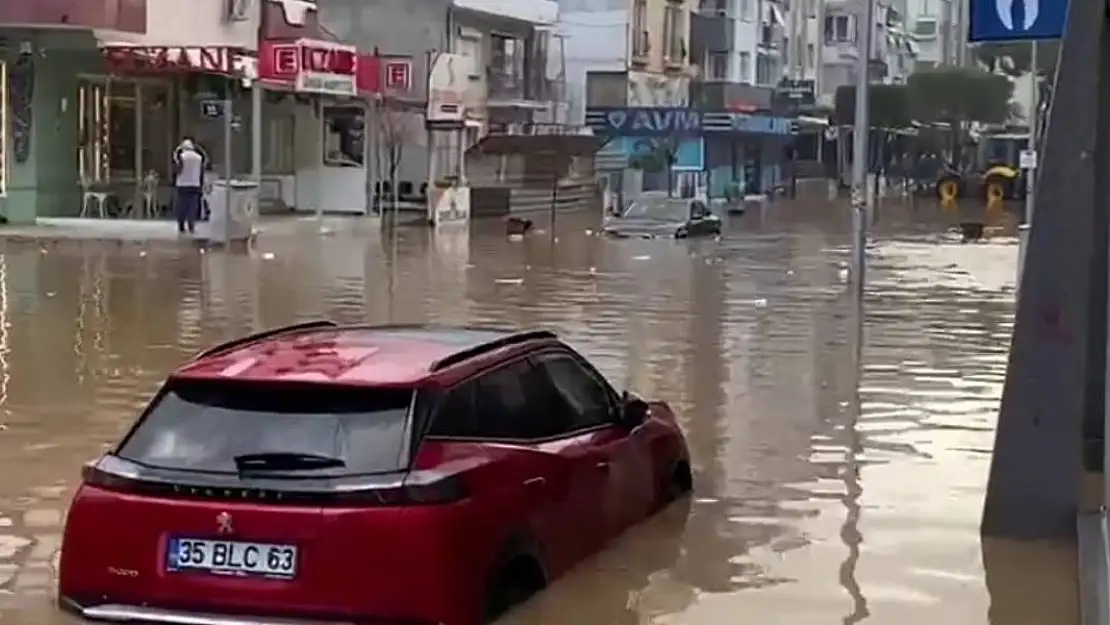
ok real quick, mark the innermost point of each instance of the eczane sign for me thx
(313, 66)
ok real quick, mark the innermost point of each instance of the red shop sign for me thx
(215, 60)
(310, 65)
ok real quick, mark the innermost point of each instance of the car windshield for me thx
(229, 427)
(660, 209)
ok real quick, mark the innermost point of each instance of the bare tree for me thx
(397, 128)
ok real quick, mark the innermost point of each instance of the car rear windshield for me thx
(213, 426)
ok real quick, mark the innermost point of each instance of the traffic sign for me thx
(1017, 20)
(1028, 159)
(211, 109)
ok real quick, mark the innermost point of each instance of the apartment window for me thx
(674, 27)
(786, 51)
(745, 74)
(716, 66)
(747, 13)
(764, 70)
(839, 29)
(640, 44)
(811, 55)
(506, 56)
(925, 28)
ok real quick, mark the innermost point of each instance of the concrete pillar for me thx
(1059, 334)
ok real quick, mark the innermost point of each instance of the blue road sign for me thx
(1017, 20)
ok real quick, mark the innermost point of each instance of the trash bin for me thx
(233, 209)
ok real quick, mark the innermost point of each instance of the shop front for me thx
(313, 102)
(694, 152)
(38, 62)
(132, 115)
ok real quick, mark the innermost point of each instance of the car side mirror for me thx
(634, 411)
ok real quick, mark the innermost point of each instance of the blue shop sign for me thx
(745, 123)
(644, 122)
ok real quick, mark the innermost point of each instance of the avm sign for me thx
(645, 122)
(1017, 20)
(672, 121)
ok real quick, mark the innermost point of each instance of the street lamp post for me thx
(861, 200)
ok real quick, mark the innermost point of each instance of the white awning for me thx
(912, 47)
(775, 15)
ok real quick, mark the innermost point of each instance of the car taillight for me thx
(93, 475)
(441, 491)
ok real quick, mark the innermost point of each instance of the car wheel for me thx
(679, 483)
(518, 579)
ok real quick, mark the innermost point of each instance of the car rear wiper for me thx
(285, 461)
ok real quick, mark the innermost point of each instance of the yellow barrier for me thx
(995, 193)
(948, 191)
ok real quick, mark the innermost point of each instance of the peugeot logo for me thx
(1005, 9)
(224, 524)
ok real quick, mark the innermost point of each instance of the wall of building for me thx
(43, 177)
(396, 27)
(595, 34)
(194, 23)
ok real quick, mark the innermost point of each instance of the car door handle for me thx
(603, 466)
(534, 481)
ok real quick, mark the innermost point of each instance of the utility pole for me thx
(861, 202)
(1030, 172)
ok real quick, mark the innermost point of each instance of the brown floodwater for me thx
(815, 503)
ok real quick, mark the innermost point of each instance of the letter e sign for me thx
(286, 60)
(398, 75)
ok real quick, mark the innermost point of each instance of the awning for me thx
(912, 47)
(775, 15)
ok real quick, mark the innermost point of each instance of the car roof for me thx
(323, 352)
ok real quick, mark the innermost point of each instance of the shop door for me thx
(93, 130)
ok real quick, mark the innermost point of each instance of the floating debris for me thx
(510, 281)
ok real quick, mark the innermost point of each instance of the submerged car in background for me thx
(322, 474)
(663, 217)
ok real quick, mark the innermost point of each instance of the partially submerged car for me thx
(320, 474)
(664, 217)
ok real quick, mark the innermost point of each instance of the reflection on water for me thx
(815, 502)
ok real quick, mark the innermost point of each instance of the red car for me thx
(324, 474)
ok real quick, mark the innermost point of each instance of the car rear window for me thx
(204, 426)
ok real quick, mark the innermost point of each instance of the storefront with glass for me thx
(314, 126)
(92, 127)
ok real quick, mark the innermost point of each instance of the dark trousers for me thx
(186, 207)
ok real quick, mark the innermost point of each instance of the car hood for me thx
(633, 227)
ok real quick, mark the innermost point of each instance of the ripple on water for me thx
(815, 502)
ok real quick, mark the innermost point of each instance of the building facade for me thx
(512, 65)
(823, 44)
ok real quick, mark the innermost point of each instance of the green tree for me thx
(1015, 58)
(889, 106)
(956, 96)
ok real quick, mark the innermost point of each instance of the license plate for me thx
(231, 557)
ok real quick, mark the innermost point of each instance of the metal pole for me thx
(861, 204)
(1030, 173)
(229, 112)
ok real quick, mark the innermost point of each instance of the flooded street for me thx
(814, 504)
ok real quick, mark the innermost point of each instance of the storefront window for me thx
(344, 135)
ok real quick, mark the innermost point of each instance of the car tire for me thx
(679, 482)
(519, 578)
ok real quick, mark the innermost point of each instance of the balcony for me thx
(771, 36)
(711, 33)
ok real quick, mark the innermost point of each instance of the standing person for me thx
(188, 185)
